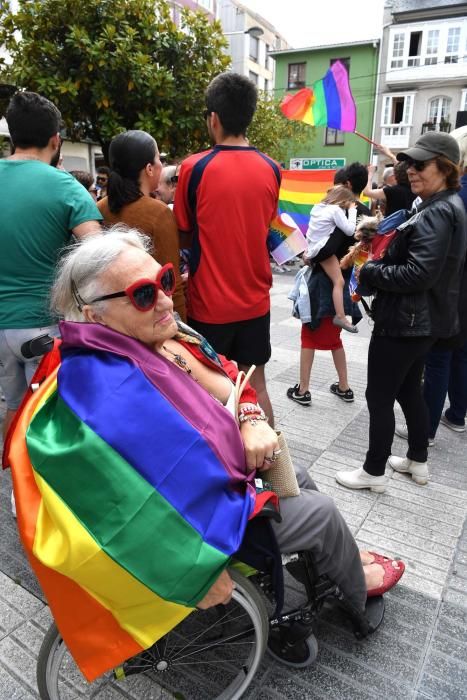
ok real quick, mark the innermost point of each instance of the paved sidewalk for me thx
(420, 650)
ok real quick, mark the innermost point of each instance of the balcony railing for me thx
(434, 126)
(395, 135)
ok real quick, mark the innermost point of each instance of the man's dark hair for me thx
(357, 175)
(233, 97)
(84, 178)
(103, 170)
(32, 120)
(340, 176)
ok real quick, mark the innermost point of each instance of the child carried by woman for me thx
(323, 244)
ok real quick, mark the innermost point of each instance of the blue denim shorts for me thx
(15, 370)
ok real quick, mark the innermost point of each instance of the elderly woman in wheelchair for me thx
(137, 475)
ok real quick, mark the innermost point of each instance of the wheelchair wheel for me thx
(212, 654)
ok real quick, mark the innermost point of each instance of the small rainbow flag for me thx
(285, 241)
(131, 494)
(330, 103)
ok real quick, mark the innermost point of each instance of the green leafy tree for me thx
(272, 133)
(112, 65)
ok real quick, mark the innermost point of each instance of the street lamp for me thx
(255, 32)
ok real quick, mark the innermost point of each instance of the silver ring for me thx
(270, 459)
(277, 452)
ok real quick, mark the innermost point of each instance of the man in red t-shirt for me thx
(225, 200)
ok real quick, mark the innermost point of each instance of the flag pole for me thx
(362, 136)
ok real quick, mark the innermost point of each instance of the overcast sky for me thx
(312, 22)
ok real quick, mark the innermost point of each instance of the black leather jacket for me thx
(416, 283)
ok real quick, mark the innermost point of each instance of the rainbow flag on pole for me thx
(131, 494)
(285, 241)
(330, 103)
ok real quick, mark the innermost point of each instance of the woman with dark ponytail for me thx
(135, 172)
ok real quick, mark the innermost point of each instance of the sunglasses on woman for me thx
(143, 293)
(417, 165)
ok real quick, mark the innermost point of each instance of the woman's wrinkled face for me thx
(428, 181)
(151, 327)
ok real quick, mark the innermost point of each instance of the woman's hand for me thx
(260, 442)
(220, 592)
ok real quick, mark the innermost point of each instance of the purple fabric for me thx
(172, 383)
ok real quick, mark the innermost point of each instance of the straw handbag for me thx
(281, 475)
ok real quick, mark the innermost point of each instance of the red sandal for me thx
(393, 570)
(379, 558)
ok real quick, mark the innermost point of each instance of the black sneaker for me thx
(303, 399)
(344, 395)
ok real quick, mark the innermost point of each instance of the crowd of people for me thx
(174, 260)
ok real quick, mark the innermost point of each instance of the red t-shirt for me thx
(226, 198)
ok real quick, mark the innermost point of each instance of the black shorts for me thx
(330, 248)
(245, 342)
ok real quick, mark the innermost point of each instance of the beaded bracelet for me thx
(250, 409)
(253, 419)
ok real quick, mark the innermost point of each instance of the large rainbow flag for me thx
(131, 494)
(330, 103)
(300, 191)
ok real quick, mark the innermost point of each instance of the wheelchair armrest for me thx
(270, 511)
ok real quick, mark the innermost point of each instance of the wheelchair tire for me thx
(238, 630)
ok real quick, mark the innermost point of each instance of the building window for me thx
(254, 48)
(334, 137)
(452, 46)
(296, 76)
(208, 4)
(396, 118)
(438, 114)
(414, 49)
(432, 44)
(253, 77)
(345, 61)
(398, 51)
(464, 101)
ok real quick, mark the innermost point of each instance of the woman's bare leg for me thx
(340, 363)
(333, 271)
(307, 355)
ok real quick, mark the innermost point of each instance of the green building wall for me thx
(363, 80)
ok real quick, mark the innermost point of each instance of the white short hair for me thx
(80, 269)
(460, 135)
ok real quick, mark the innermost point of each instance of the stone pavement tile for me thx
(12, 688)
(313, 683)
(450, 647)
(29, 636)
(419, 508)
(456, 598)
(374, 651)
(396, 520)
(444, 677)
(376, 681)
(16, 597)
(409, 519)
(19, 661)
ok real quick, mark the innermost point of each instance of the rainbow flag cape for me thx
(300, 191)
(330, 103)
(284, 241)
(131, 494)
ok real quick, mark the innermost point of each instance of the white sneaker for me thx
(359, 479)
(404, 465)
(402, 431)
(454, 426)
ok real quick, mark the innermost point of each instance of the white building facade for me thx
(250, 51)
(423, 70)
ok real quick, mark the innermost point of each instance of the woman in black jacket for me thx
(416, 287)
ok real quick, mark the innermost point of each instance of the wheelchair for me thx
(212, 654)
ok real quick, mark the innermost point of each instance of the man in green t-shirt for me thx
(41, 208)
